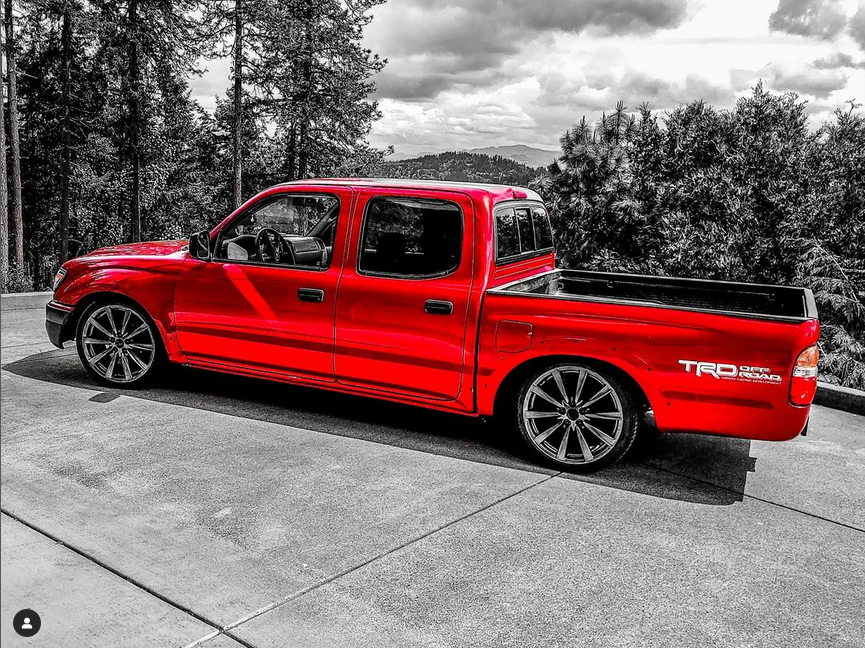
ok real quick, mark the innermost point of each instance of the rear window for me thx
(522, 230)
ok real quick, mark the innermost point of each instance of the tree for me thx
(705, 220)
(62, 96)
(831, 224)
(141, 37)
(594, 209)
(769, 168)
(115, 148)
(237, 23)
(4, 180)
(747, 194)
(65, 130)
(839, 290)
(238, 106)
(316, 79)
(14, 140)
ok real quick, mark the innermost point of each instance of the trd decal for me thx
(718, 370)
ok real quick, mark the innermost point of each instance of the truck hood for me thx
(149, 248)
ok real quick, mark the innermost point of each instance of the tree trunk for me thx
(4, 198)
(303, 131)
(292, 152)
(303, 157)
(12, 74)
(134, 118)
(66, 39)
(237, 188)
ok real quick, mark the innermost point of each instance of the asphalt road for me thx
(230, 512)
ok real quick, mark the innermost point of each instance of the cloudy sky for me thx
(471, 73)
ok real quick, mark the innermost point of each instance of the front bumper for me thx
(58, 319)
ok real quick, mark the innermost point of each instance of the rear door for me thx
(404, 293)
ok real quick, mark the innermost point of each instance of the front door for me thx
(404, 294)
(266, 301)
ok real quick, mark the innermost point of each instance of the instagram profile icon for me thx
(26, 623)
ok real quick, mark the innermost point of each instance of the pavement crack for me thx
(753, 497)
(213, 635)
(116, 572)
(296, 595)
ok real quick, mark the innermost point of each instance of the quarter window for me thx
(411, 237)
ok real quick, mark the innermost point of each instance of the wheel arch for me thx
(512, 381)
(105, 297)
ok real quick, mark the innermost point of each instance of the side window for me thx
(286, 229)
(527, 234)
(507, 236)
(522, 231)
(543, 229)
(411, 237)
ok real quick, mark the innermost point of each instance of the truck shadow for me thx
(685, 467)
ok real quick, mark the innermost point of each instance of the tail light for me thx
(803, 386)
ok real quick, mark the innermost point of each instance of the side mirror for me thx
(199, 246)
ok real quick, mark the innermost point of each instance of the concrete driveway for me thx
(227, 512)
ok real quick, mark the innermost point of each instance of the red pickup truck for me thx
(446, 295)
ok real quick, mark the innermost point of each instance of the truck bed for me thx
(724, 297)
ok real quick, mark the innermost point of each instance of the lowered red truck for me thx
(446, 295)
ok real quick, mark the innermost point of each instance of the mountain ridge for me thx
(530, 156)
(460, 166)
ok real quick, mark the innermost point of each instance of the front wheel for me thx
(118, 344)
(575, 417)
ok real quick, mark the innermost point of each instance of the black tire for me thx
(126, 371)
(598, 438)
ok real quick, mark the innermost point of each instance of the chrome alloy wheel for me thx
(573, 415)
(118, 344)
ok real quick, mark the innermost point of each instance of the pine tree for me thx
(4, 180)
(593, 206)
(142, 36)
(14, 137)
(316, 77)
(116, 149)
(232, 28)
(65, 131)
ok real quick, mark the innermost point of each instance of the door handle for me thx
(438, 307)
(310, 294)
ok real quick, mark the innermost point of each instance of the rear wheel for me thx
(576, 417)
(118, 344)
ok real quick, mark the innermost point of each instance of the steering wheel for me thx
(271, 247)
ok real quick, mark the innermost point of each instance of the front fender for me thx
(148, 285)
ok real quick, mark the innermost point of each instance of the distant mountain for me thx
(398, 157)
(528, 155)
(459, 166)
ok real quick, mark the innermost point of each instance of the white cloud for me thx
(473, 73)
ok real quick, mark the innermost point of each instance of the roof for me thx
(495, 191)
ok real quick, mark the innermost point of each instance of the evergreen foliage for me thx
(146, 161)
(747, 194)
